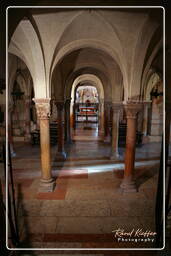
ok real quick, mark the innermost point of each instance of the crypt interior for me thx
(85, 124)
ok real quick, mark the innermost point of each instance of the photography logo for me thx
(134, 235)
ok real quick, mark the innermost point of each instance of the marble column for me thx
(43, 111)
(61, 155)
(115, 130)
(128, 183)
(67, 121)
(27, 118)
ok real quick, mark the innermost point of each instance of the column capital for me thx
(43, 108)
(147, 102)
(59, 105)
(101, 101)
(132, 109)
(117, 106)
(108, 103)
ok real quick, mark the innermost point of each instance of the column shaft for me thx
(45, 149)
(27, 119)
(67, 119)
(107, 121)
(43, 112)
(60, 145)
(128, 184)
(115, 131)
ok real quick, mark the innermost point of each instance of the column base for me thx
(128, 186)
(61, 156)
(47, 185)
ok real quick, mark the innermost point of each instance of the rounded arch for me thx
(107, 87)
(24, 36)
(94, 44)
(97, 83)
(94, 80)
(149, 35)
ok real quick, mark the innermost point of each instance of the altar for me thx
(87, 114)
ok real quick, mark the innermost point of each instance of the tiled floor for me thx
(87, 204)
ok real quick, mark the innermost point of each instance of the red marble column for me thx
(43, 112)
(60, 144)
(128, 183)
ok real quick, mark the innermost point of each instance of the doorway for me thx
(86, 112)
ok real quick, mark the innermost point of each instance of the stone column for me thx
(101, 117)
(128, 183)
(72, 115)
(115, 130)
(145, 118)
(10, 130)
(67, 121)
(61, 155)
(43, 112)
(107, 106)
(27, 118)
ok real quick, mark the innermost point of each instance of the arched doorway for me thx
(86, 109)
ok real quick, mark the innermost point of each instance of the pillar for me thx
(145, 117)
(128, 183)
(67, 121)
(61, 155)
(27, 118)
(10, 130)
(72, 115)
(101, 117)
(115, 130)
(107, 106)
(43, 112)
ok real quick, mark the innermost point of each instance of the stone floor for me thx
(87, 204)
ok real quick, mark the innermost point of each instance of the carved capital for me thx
(132, 109)
(107, 105)
(117, 106)
(42, 108)
(59, 105)
(101, 101)
(147, 103)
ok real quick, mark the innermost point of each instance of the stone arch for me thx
(96, 82)
(149, 34)
(94, 44)
(20, 45)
